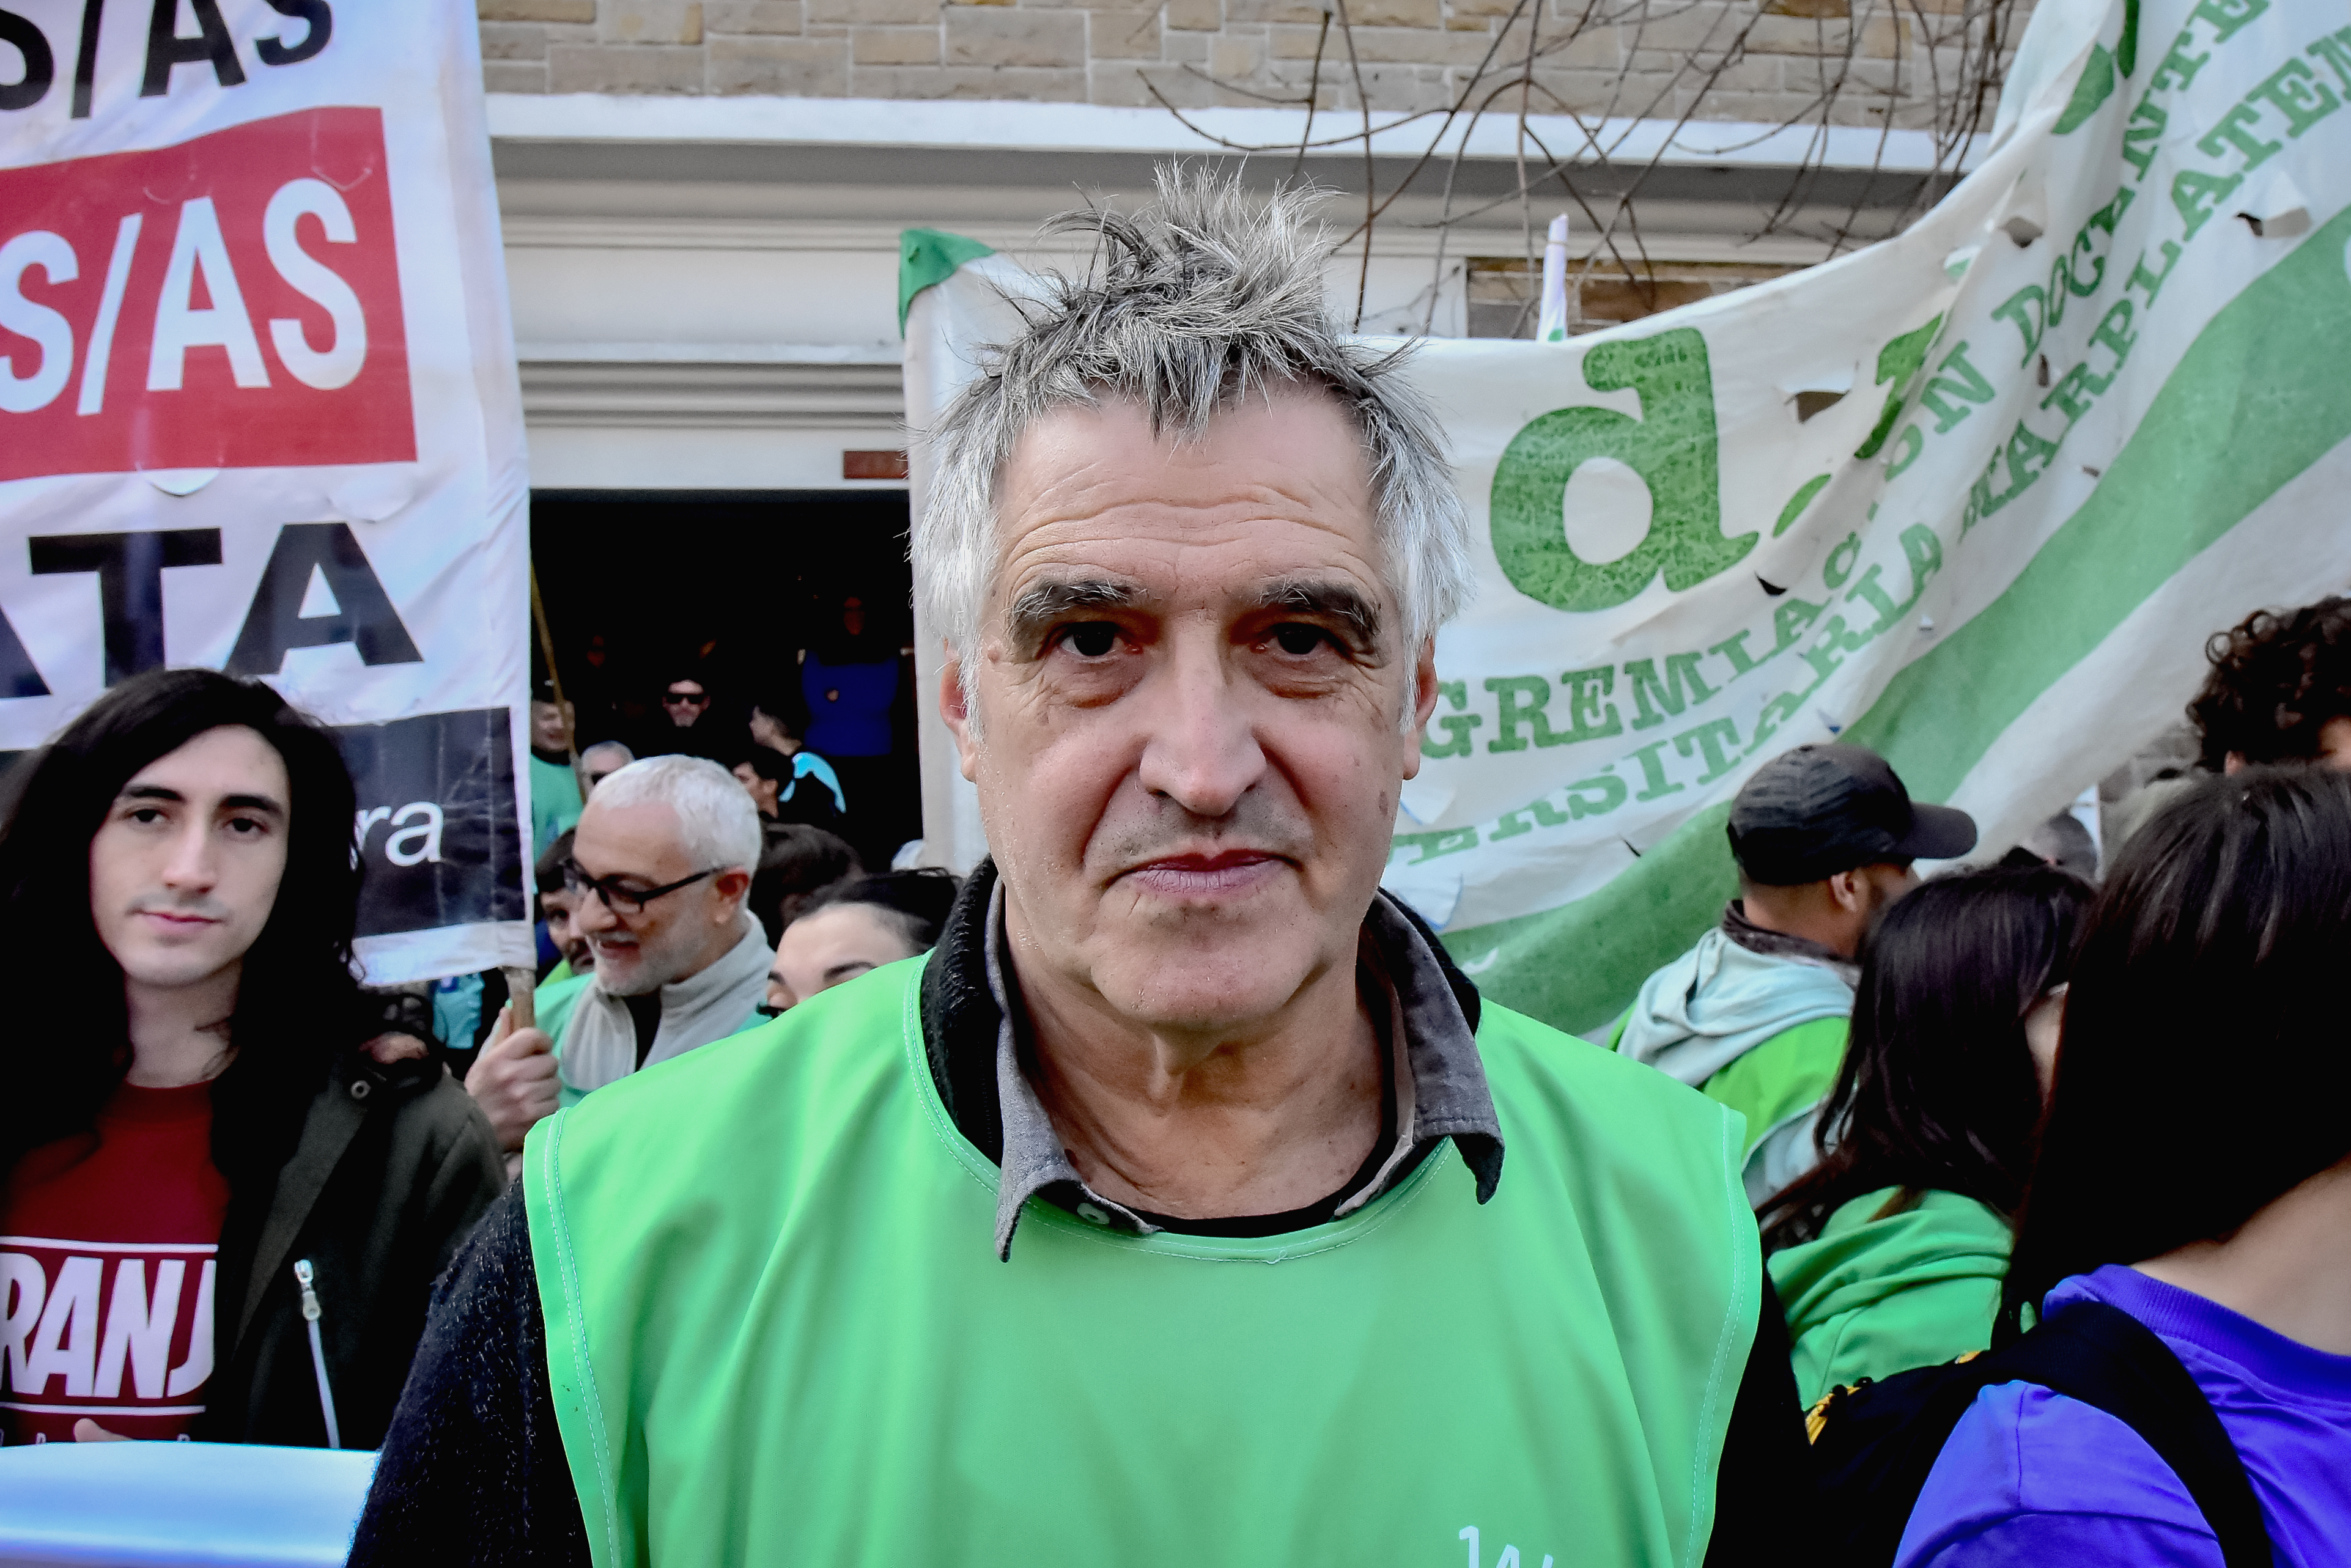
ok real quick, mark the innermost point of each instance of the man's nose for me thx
(1202, 750)
(194, 867)
(593, 915)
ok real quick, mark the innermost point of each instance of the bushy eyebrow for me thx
(1337, 601)
(1037, 608)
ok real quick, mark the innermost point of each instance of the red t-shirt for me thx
(107, 1244)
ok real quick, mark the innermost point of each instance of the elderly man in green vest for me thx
(1160, 1216)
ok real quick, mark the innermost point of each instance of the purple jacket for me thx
(2032, 1476)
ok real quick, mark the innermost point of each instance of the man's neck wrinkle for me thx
(1221, 1157)
(1790, 923)
(1163, 1073)
(1247, 1122)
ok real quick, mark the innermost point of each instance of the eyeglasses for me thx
(685, 699)
(622, 900)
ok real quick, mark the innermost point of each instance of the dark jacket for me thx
(394, 1166)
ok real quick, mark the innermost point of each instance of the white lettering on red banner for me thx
(117, 1333)
(230, 302)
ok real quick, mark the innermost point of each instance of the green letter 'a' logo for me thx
(1671, 447)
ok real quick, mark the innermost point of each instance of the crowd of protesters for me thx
(240, 1142)
(824, 743)
(2001, 1215)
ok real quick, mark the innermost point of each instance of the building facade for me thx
(703, 203)
(703, 198)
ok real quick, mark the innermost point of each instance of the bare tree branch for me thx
(1313, 90)
(1951, 94)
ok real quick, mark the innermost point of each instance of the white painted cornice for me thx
(677, 353)
(851, 122)
(621, 231)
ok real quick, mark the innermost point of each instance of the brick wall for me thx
(1412, 53)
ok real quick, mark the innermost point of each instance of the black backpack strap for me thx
(2103, 1357)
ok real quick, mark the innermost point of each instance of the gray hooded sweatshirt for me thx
(1723, 998)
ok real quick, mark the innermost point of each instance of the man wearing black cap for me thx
(1755, 1014)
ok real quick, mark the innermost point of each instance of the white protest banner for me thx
(259, 411)
(1974, 497)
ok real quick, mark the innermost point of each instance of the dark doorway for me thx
(733, 589)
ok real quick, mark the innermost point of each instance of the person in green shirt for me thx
(1889, 1254)
(555, 800)
(561, 985)
(1754, 1016)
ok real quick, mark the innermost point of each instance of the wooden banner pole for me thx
(555, 679)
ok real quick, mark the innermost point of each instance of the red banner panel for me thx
(230, 302)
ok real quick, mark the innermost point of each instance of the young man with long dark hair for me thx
(2195, 1171)
(201, 1157)
(1889, 1254)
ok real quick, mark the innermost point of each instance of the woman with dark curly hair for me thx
(2280, 690)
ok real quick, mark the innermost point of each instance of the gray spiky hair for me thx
(1191, 305)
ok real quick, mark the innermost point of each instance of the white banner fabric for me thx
(1974, 497)
(259, 411)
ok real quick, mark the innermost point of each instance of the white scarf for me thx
(599, 1042)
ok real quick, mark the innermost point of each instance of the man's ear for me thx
(1423, 703)
(2235, 763)
(733, 887)
(954, 711)
(1845, 888)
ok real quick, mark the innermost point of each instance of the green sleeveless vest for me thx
(777, 1330)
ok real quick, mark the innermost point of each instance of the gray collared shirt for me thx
(1440, 1083)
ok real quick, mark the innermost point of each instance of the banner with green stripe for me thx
(1975, 495)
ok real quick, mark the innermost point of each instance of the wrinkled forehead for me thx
(1275, 489)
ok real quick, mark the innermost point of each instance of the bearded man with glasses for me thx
(660, 867)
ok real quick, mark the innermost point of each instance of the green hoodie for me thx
(1876, 1296)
